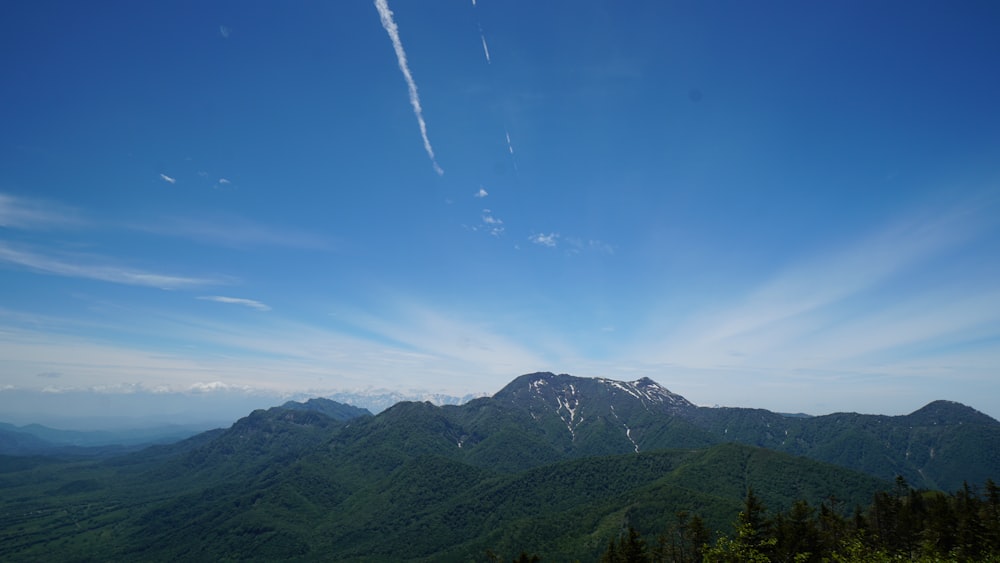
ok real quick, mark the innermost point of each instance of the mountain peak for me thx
(332, 409)
(656, 392)
(947, 413)
(644, 390)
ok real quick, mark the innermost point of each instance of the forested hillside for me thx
(899, 525)
(554, 466)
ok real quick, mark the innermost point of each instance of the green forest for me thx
(636, 475)
(903, 524)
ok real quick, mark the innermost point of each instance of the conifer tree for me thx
(991, 516)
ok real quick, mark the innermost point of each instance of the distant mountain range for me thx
(36, 439)
(377, 400)
(552, 464)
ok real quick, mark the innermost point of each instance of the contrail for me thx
(510, 149)
(486, 49)
(390, 27)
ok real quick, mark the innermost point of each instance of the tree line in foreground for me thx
(903, 524)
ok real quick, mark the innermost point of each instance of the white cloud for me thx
(78, 266)
(481, 193)
(168, 179)
(549, 240)
(212, 386)
(571, 244)
(24, 213)
(225, 32)
(237, 301)
(493, 224)
(385, 14)
(224, 181)
(489, 219)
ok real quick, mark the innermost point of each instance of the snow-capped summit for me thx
(588, 408)
(649, 390)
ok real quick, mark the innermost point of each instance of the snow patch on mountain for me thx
(628, 431)
(570, 404)
(647, 390)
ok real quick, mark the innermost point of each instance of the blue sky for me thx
(783, 205)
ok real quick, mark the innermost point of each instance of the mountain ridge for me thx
(553, 463)
(561, 416)
(881, 445)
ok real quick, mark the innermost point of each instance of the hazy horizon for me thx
(104, 410)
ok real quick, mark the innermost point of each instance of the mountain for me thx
(553, 464)
(13, 442)
(543, 418)
(332, 409)
(24, 441)
(939, 446)
(947, 413)
(377, 400)
(124, 437)
(289, 484)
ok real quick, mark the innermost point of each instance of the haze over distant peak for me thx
(103, 409)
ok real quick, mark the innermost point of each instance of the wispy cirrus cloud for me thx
(385, 14)
(233, 231)
(600, 246)
(27, 213)
(89, 267)
(448, 351)
(840, 313)
(577, 245)
(430, 332)
(822, 280)
(168, 179)
(251, 303)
